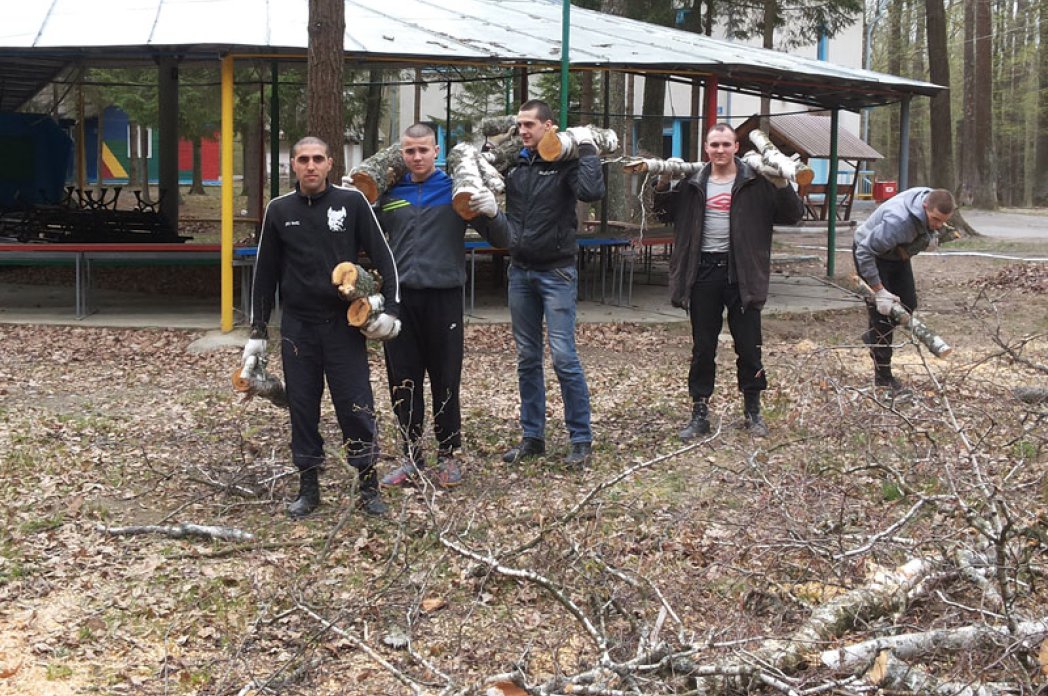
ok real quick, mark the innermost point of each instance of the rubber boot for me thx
(752, 414)
(308, 494)
(370, 497)
(699, 423)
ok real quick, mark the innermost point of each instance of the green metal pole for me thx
(274, 131)
(564, 63)
(831, 193)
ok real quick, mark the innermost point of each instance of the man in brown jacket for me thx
(722, 220)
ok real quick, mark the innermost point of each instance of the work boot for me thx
(447, 474)
(308, 494)
(529, 447)
(699, 423)
(370, 497)
(752, 415)
(579, 455)
(896, 389)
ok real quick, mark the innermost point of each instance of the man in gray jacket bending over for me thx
(898, 230)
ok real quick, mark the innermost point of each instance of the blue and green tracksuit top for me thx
(426, 234)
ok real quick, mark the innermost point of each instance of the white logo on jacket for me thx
(337, 219)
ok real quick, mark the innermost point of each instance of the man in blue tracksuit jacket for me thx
(305, 234)
(426, 235)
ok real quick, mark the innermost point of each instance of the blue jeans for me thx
(534, 295)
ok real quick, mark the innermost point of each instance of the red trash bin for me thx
(883, 190)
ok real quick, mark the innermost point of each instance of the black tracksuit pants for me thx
(430, 343)
(709, 296)
(897, 278)
(338, 352)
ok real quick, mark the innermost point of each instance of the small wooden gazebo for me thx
(807, 135)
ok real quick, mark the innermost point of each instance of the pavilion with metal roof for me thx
(41, 40)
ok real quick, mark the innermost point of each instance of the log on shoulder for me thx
(377, 173)
(654, 165)
(555, 145)
(463, 164)
(779, 164)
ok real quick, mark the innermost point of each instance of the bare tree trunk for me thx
(771, 14)
(253, 164)
(942, 170)
(197, 187)
(919, 108)
(895, 52)
(100, 145)
(618, 184)
(374, 114)
(969, 174)
(143, 149)
(985, 193)
(587, 114)
(134, 174)
(649, 135)
(324, 78)
(1041, 167)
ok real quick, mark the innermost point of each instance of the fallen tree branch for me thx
(908, 646)
(181, 531)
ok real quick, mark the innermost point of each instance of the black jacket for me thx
(540, 207)
(303, 238)
(756, 205)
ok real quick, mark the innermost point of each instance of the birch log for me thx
(504, 154)
(653, 165)
(497, 125)
(773, 158)
(180, 531)
(465, 175)
(915, 646)
(556, 145)
(377, 173)
(916, 327)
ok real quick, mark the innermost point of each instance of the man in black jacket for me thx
(305, 234)
(723, 217)
(426, 235)
(540, 207)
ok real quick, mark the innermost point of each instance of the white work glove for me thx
(884, 301)
(254, 348)
(384, 327)
(483, 203)
(580, 135)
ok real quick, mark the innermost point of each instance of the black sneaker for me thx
(579, 455)
(529, 447)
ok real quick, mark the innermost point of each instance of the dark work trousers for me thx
(338, 352)
(897, 278)
(430, 342)
(709, 296)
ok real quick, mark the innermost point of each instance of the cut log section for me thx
(377, 173)
(555, 146)
(364, 309)
(354, 281)
(777, 163)
(252, 380)
(916, 327)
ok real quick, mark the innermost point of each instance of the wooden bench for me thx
(82, 256)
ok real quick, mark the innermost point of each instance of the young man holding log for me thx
(899, 229)
(722, 218)
(426, 235)
(541, 198)
(305, 235)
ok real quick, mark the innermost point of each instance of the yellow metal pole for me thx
(227, 193)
